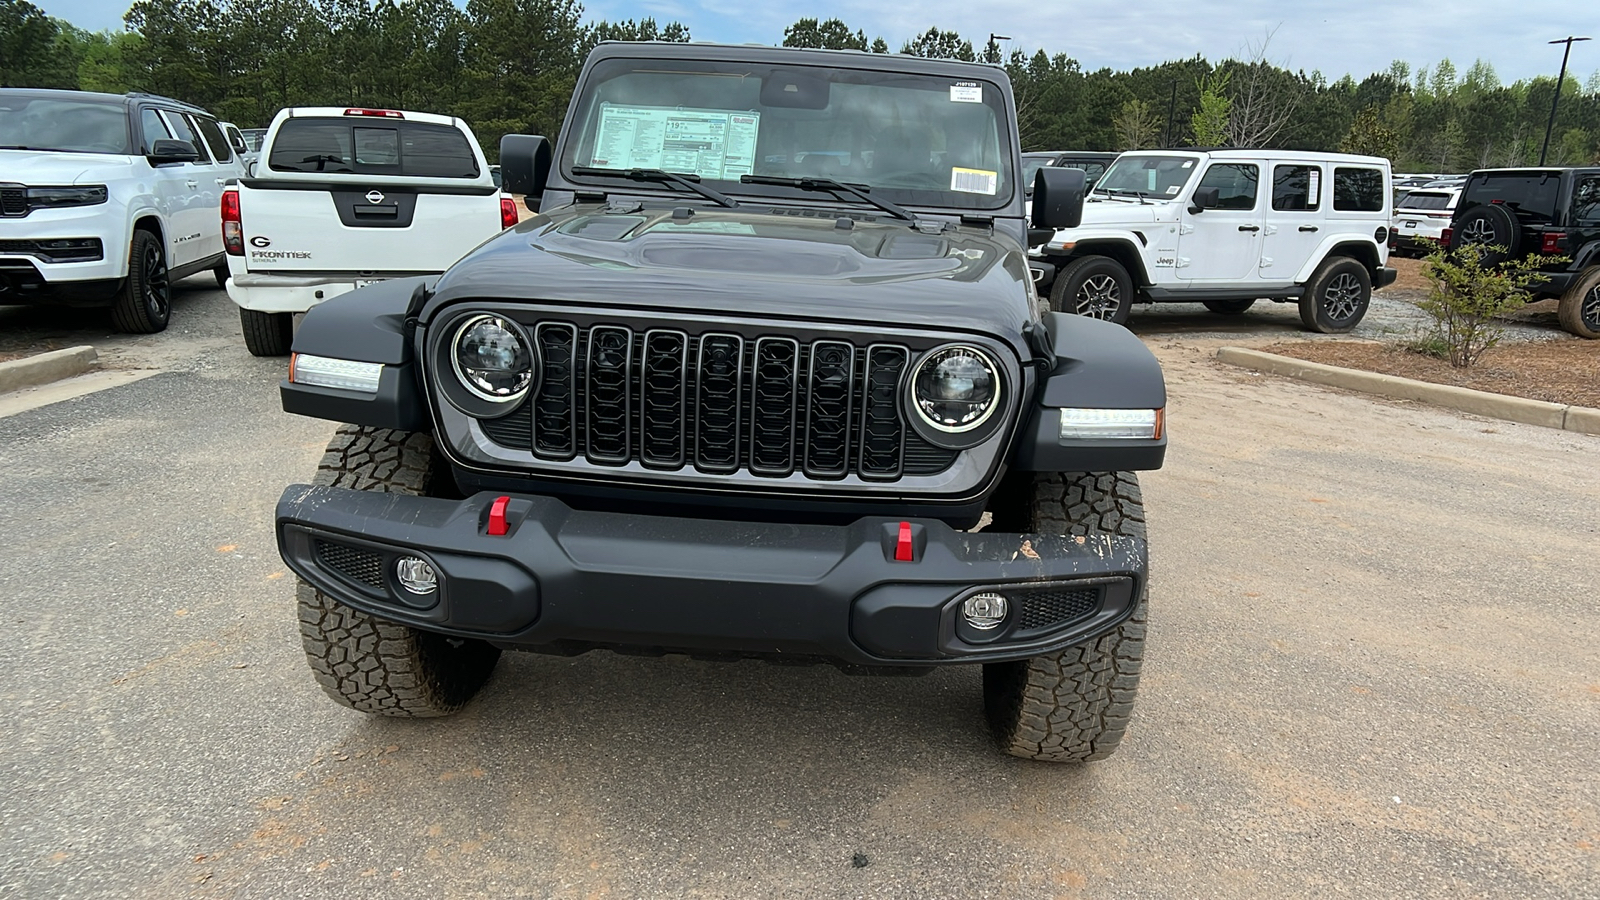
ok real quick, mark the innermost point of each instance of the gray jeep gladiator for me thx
(764, 377)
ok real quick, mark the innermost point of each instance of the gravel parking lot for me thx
(1372, 672)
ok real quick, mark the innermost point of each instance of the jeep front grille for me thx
(719, 402)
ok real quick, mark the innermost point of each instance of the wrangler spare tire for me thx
(1493, 229)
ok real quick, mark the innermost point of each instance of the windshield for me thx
(76, 126)
(1427, 200)
(1030, 167)
(1529, 193)
(253, 136)
(363, 146)
(912, 139)
(1153, 176)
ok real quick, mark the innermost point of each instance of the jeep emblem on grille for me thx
(374, 196)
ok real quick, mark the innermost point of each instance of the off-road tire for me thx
(267, 334)
(1489, 225)
(1337, 296)
(1095, 286)
(222, 274)
(1229, 307)
(1579, 308)
(1074, 705)
(144, 305)
(365, 662)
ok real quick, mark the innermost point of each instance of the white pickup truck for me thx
(342, 197)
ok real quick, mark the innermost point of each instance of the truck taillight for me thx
(508, 212)
(232, 226)
(1554, 242)
(375, 113)
(1444, 236)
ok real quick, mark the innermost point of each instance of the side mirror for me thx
(1058, 197)
(1205, 198)
(171, 151)
(250, 169)
(524, 165)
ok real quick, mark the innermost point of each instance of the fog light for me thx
(416, 576)
(984, 611)
(1123, 424)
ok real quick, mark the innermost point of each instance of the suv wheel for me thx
(144, 306)
(1229, 307)
(1072, 705)
(1491, 228)
(365, 662)
(267, 334)
(1337, 296)
(1097, 287)
(1579, 309)
(221, 274)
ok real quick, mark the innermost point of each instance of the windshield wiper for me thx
(661, 176)
(1112, 192)
(828, 184)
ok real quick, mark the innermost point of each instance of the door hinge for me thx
(1270, 229)
(1183, 263)
(1186, 228)
(1266, 261)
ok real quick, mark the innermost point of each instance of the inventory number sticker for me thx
(974, 181)
(966, 92)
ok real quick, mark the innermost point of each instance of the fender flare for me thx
(1326, 248)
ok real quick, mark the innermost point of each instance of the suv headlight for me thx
(954, 391)
(493, 359)
(53, 197)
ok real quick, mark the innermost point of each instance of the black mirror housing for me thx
(172, 151)
(1058, 197)
(524, 166)
(1205, 198)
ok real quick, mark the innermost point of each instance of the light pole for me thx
(1554, 101)
(994, 41)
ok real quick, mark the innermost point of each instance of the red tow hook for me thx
(497, 517)
(902, 548)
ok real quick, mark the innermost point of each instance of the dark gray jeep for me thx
(765, 377)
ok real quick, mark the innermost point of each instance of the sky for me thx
(1334, 36)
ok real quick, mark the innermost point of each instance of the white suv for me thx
(342, 197)
(1227, 228)
(107, 199)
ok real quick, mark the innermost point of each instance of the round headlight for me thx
(492, 358)
(955, 389)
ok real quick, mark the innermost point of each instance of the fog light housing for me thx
(416, 575)
(985, 611)
(1118, 424)
(345, 374)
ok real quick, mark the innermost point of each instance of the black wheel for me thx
(1229, 307)
(1095, 286)
(1579, 309)
(267, 334)
(1491, 228)
(1073, 705)
(365, 662)
(221, 274)
(144, 305)
(1337, 296)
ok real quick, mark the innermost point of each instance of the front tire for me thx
(144, 305)
(1337, 296)
(1073, 705)
(365, 662)
(1579, 309)
(1095, 286)
(267, 334)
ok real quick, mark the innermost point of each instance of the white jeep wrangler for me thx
(1201, 227)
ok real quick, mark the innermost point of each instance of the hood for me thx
(43, 167)
(755, 262)
(1125, 212)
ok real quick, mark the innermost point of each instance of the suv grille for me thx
(720, 402)
(13, 200)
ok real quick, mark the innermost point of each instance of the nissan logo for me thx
(259, 241)
(374, 196)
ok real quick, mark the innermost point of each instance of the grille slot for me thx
(607, 395)
(1053, 607)
(721, 365)
(882, 432)
(355, 563)
(775, 381)
(555, 406)
(831, 390)
(663, 403)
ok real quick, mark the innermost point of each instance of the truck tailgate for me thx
(361, 229)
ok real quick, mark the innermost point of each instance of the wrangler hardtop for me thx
(1553, 212)
(1227, 228)
(763, 377)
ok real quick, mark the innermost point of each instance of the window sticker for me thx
(1313, 186)
(1189, 164)
(966, 92)
(974, 181)
(1173, 189)
(714, 144)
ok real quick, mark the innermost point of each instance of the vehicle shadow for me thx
(38, 328)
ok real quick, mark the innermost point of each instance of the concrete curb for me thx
(46, 367)
(1495, 406)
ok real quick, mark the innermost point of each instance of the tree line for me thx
(510, 65)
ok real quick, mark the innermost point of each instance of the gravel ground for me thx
(1372, 672)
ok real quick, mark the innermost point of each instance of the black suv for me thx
(1554, 211)
(711, 400)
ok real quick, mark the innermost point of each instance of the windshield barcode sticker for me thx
(973, 181)
(966, 92)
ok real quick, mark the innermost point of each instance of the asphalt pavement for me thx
(1372, 671)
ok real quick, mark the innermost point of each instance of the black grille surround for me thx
(13, 201)
(765, 405)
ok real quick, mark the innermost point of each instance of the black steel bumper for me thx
(567, 580)
(1386, 277)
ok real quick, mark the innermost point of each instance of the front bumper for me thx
(1386, 277)
(568, 580)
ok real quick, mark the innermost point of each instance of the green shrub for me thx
(1468, 296)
